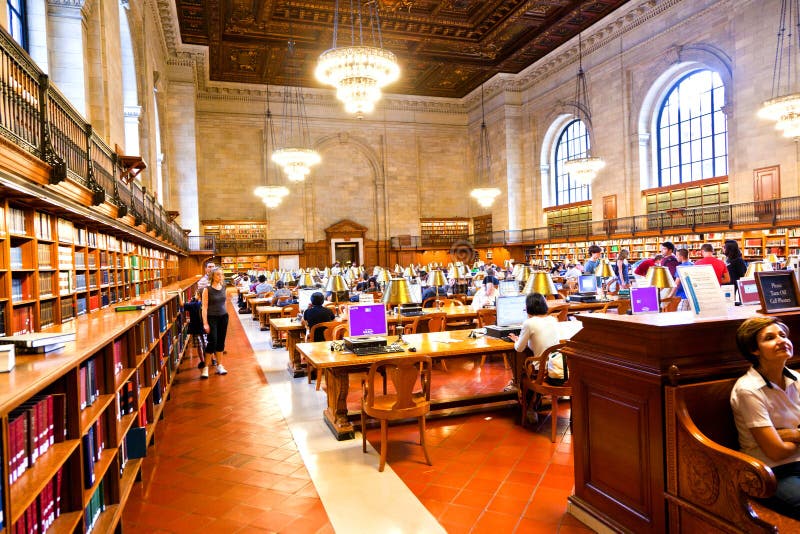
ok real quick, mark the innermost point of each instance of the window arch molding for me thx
(559, 120)
(681, 61)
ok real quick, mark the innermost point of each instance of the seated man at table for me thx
(317, 313)
(263, 286)
(484, 296)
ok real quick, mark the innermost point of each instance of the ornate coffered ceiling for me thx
(445, 48)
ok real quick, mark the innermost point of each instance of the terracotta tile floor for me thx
(217, 468)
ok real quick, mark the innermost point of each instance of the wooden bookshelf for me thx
(443, 231)
(117, 360)
(482, 224)
(53, 269)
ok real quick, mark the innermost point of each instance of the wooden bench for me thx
(709, 482)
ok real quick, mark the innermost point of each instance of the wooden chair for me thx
(487, 316)
(559, 312)
(329, 327)
(437, 322)
(441, 302)
(429, 300)
(406, 401)
(670, 304)
(533, 381)
(282, 300)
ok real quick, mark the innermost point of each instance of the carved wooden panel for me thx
(445, 48)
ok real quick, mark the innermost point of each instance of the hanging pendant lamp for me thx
(484, 193)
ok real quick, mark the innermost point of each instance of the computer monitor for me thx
(509, 288)
(368, 320)
(644, 300)
(511, 311)
(304, 297)
(587, 283)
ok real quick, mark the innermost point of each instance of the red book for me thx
(118, 366)
(57, 491)
(43, 428)
(143, 415)
(13, 451)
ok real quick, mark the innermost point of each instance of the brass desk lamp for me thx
(606, 273)
(397, 293)
(540, 282)
(337, 286)
(658, 276)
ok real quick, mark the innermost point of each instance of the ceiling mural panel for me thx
(445, 48)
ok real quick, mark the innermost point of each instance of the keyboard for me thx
(369, 351)
(412, 313)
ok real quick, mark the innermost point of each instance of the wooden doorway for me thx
(346, 253)
(766, 191)
(610, 213)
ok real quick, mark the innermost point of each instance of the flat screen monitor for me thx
(368, 320)
(509, 288)
(304, 297)
(587, 283)
(644, 300)
(511, 310)
(748, 291)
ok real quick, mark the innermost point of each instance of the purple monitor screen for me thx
(368, 320)
(644, 300)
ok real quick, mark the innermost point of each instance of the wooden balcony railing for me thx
(37, 118)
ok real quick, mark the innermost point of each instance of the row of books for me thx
(88, 389)
(21, 288)
(80, 306)
(97, 503)
(16, 221)
(146, 333)
(67, 310)
(41, 225)
(32, 429)
(94, 443)
(65, 230)
(45, 284)
(65, 257)
(44, 510)
(16, 258)
(2, 321)
(44, 253)
(47, 313)
(22, 319)
(80, 281)
(128, 396)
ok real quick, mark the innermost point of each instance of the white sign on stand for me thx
(701, 285)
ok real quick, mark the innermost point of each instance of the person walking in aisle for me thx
(206, 278)
(215, 321)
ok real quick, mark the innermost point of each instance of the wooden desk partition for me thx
(620, 366)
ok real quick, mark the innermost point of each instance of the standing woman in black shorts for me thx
(215, 321)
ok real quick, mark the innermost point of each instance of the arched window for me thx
(573, 142)
(692, 130)
(17, 24)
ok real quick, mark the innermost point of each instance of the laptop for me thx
(748, 291)
(644, 300)
(368, 325)
(587, 289)
(509, 288)
(511, 313)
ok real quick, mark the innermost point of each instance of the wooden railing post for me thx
(58, 172)
(98, 193)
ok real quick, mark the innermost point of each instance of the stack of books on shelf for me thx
(88, 389)
(47, 313)
(45, 284)
(128, 396)
(16, 258)
(41, 225)
(32, 429)
(96, 505)
(93, 444)
(16, 221)
(43, 511)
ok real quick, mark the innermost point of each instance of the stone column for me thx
(66, 62)
(132, 116)
(518, 195)
(181, 144)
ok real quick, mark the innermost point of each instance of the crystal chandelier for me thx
(784, 106)
(272, 195)
(359, 71)
(295, 154)
(583, 169)
(484, 195)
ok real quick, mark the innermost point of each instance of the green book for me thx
(129, 307)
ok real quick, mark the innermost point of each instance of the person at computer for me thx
(539, 331)
(263, 286)
(766, 407)
(484, 296)
(317, 313)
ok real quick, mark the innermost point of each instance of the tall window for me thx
(692, 130)
(16, 22)
(572, 143)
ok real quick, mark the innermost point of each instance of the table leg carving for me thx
(338, 384)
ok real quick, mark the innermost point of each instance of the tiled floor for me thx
(229, 457)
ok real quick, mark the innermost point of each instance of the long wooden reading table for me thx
(338, 365)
